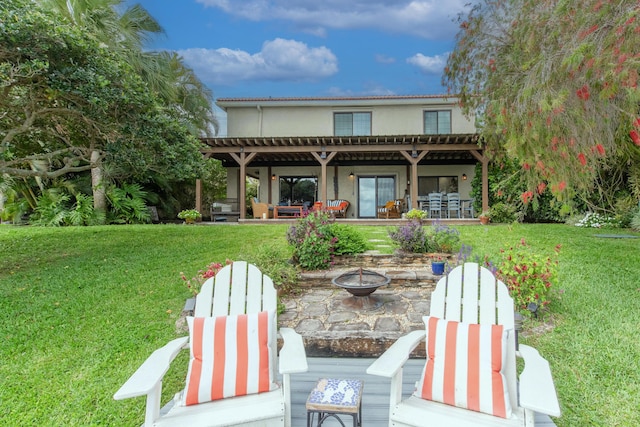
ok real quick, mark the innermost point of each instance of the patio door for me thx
(374, 191)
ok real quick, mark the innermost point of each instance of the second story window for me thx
(351, 124)
(437, 122)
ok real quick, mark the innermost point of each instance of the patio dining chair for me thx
(435, 205)
(232, 372)
(453, 204)
(466, 207)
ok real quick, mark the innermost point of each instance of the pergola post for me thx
(484, 161)
(414, 158)
(323, 159)
(243, 160)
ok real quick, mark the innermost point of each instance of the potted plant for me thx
(416, 214)
(189, 215)
(484, 217)
(437, 265)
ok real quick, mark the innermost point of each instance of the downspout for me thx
(259, 120)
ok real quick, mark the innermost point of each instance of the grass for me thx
(81, 308)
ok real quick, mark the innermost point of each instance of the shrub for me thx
(418, 214)
(275, 263)
(413, 237)
(410, 237)
(442, 238)
(312, 241)
(597, 220)
(195, 283)
(635, 220)
(529, 276)
(504, 213)
(348, 240)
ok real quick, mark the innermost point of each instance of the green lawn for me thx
(81, 308)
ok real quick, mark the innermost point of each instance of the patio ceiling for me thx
(349, 150)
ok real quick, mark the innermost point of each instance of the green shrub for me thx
(312, 241)
(504, 213)
(418, 214)
(349, 241)
(411, 237)
(128, 204)
(597, 220)
(275, 263)
(529, 276)
(635, 220)
(442, 238)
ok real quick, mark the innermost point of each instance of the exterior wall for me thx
(347, 187)
(315, 117)
(317, 120)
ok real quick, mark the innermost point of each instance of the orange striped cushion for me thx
(464, 366)
(230, 356)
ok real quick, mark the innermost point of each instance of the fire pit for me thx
(361, 284)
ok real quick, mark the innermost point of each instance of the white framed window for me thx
(437, 122)
(352, 124)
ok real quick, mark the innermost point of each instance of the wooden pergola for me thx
(409, 150)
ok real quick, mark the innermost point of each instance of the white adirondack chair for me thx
(471, 294)
(239, 288)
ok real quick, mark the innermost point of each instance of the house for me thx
(366, 150)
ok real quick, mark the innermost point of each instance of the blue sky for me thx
(310, 48)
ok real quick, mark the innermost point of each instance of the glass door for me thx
(374, 191)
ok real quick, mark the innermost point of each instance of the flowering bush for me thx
(596, 220)
(312, 241)
(189, 214)
(529, 276)
(195, 283)
(443, 239)
(410, 237)
(413, 237)
(418, 214)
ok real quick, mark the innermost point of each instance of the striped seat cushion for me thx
(230, 356)
(464, 366)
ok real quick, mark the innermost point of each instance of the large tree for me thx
(554, 84)
(126, 29)
(68, 101)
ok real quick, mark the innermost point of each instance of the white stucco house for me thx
(366, 150)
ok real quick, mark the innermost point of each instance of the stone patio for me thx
(334, 323)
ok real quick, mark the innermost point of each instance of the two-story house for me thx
(367, 150)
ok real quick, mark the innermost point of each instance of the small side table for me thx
(332, 397)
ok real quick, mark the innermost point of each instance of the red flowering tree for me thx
(554, 84)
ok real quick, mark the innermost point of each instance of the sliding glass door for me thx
(374, 191)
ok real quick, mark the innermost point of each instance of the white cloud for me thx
(384, 59)
(424, 18)
(429, 64)
(278, 60)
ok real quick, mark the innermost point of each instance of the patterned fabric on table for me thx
(336, 395)
(230, 356)
(464, 366)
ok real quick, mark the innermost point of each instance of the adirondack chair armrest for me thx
(396, 356)
(537, 391)
(150, 373)
(293, 358)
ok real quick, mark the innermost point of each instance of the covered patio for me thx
(409, 151)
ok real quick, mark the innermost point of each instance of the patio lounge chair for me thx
(235, 383)
(391, 209)
(261, 210)
(470, 374)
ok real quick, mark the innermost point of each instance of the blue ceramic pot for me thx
(437, 267)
